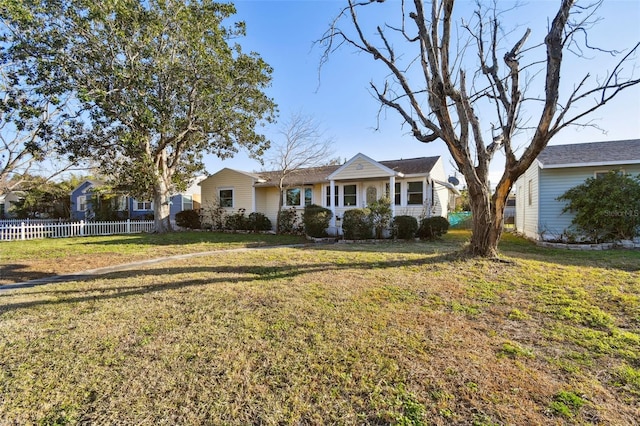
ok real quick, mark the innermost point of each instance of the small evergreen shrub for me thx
(236, 221)
(433, 227)
(288, 222)
(380, 216)
(257, 222)
(356, 224)
(316, 220)
(405, 227)
(188, 219)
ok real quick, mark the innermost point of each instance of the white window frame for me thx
(233, 197)
(397, 192)
(604, 172)
(355, 194)
(303, 196)
(144, 203)
(184, 197)
(336, 196)
(422, 192)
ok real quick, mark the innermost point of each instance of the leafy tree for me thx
(446, 82)
(42, 198)
(606, 208)
(160, 82)
(33, 108)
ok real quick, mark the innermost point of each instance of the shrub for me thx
(606, 208)
(188, 219)
(356, 224)
(405, 227)
(380, 216)
(257, 222)
(316, 220)
(288, 222)
(236, 221)
(433, 227)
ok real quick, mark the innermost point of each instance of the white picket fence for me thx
(31, 230)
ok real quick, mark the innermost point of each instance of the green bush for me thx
(606, 208)
(316, 220)
(257, 222)
(433, 227)
(188, 219)
(356, 224)
(236, 221)
(405, 227)
(288, 222)
(380, 216)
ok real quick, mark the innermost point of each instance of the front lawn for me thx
(27, 260)
(391, 333)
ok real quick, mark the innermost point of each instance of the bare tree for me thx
(453, 87)
(303, 145)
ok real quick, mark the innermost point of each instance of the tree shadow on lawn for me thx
(180, 238)
(250, 274)
(15, 272)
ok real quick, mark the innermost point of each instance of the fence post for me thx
(22, 231)
(128, 226)
(82, 228)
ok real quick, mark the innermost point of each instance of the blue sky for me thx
(283, 31)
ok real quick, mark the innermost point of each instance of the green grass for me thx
(391, 333)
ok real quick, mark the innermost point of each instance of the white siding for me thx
(527, 202)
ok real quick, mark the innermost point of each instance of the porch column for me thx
(392, 195)
(332, 207)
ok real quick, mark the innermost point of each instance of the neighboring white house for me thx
(6, 203)
(417, 187)
(559, 168)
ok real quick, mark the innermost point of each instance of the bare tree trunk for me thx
(487, 222)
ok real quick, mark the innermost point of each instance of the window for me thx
(82, 203)
(603, 173)
(187, 202)
(293, 196)
(349, 195)
(335, 195)
(397, 194)
(372, 195)
(226, 197)
(143, 205)
(308, 196)
(414, 193)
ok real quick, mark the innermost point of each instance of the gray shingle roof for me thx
(614, 152)
(319, 174)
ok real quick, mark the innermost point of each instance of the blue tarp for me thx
(458, 219)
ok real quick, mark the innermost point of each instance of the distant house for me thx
(416, 186)
(559, 168)
(6, 202)
(87, 198)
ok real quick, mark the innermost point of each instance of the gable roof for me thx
(591, 154)
(359, 158)
(412, 166)
(307, 176)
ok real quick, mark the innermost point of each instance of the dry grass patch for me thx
(371, 334)
(27, 260)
